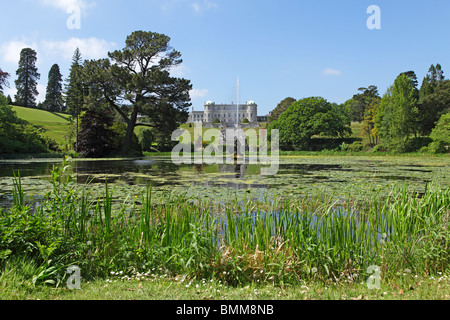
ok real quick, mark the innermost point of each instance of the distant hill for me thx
(55, 124)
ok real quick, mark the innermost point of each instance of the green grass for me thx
(14, 285)
(56, 125)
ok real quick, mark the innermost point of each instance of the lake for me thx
(342, 176)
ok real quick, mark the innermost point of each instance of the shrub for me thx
(417, 144)
(146, 139)
(354, 147)
(216, 121)
(379, 148)
(437, 147)
(424, 150)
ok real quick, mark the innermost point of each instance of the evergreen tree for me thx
(27, 77)
(54, 99)
(74, 90)
(96, 136)
(429, 106)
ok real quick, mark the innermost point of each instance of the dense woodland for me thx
(109, 98)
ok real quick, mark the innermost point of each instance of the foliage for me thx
(96, 136)
(27, 77)
(3, 80)
(283, 241)
(417, 144)
(74, 89)
(442, 130)
(281, 107)
(358, 105)
(16, 135)
(216, 121)
(245, 121)
(306, 118)
(136, 81)
(434, 76)
(146, 139)
(354, 147)
(399, 107)
(54, 99)
(369, 127)
(433, 106)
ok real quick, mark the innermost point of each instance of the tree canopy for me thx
(399, 107)
(136, 83)
(360, 102)
(306, 118)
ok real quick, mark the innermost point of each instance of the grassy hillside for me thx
(55, 124)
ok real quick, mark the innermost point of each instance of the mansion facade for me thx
(227, 114)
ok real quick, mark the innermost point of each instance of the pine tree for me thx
(74, 90)
(27, 77)
(428, 109)
(54, 99)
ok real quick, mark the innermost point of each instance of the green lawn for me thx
(55, 124)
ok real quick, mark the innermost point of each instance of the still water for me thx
(349, 175)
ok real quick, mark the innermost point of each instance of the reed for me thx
(284, 240)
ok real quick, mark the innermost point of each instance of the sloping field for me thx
(55, 124)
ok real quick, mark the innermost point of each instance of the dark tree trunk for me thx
(130, 130)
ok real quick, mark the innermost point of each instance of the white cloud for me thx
(198, 93)
(332, 72)
(201, 6)
(11, 50)
(90, 48)
(42, 90)
(178, 71)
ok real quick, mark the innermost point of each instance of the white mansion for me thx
(227, 114)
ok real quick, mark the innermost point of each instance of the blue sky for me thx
(278, 49)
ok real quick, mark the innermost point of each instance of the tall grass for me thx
(285, 240)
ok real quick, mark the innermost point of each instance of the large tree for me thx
(399, 106)
(3, 80)
(27, 77)
(75, 90)
(360, 102)
(431, 103)
(434, 76)
(54, 99)
(433, 106)
(137, 84)
(306, 118)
